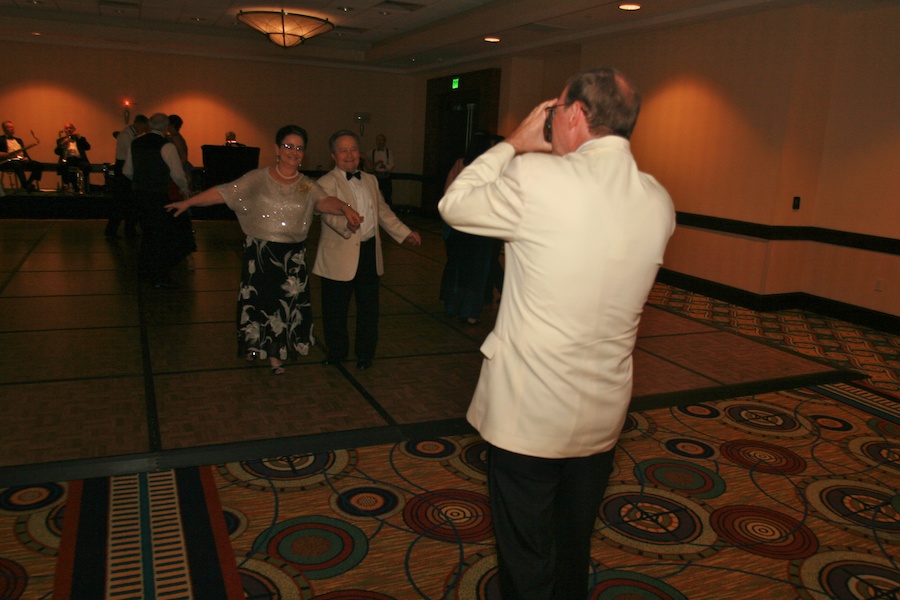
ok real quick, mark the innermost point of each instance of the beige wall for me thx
(742, 114)
(88, 87)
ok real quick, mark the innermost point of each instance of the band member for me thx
(72, 147)
(14, 157)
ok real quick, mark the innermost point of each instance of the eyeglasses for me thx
(293, 147)
(548, 122)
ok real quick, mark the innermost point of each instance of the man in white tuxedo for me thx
(585, 234)
(350, 263)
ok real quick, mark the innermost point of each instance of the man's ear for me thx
(577, 115)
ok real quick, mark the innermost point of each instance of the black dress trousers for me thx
(543, 511)
(336, 304)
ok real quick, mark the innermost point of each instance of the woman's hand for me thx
(177, 207)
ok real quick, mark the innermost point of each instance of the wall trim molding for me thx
(776, 302)
(834, 237)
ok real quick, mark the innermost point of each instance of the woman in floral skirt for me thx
(275, 207)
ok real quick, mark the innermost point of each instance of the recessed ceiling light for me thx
(630, 6)
(345, 8)
(492, 40)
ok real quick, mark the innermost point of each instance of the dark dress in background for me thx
(473, 270)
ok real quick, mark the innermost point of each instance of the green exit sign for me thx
(454, 85)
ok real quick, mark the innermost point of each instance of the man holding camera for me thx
(585, 234)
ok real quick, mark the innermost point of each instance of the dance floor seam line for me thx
(369, 398)
(154, 433)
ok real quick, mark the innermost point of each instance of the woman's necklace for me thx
(294, 176)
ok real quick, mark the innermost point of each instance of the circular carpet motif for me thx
(478, 578)
(875, 451)
(655, 522)
(690, 448)
(41, 531)
(320, 547)
(699, 411)
(368, 501)
(470, 463)
(291, 473)
(615, 583)
(759, 417)
(235, 522)
(13, 579)
(268, 577)
(763, 457)
(680, 475)
(830, 423)
(450, 515)
(28, 498)
(637, 425)
(764, 532)
(884, 428)
(435, 449)
(844, 573)
(864, 508)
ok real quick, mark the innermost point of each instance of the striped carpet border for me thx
(159, 535)
(874, 402)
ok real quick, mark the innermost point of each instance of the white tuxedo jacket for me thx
(585, 235)
(337, 255)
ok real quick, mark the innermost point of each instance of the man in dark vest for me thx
(157, 178)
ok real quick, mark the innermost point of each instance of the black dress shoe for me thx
(363, 364)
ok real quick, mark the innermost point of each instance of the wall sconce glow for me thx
(285, 29)
(126, 113)
(492, 40)
(629, 6)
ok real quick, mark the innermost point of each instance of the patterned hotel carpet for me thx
(790, 494)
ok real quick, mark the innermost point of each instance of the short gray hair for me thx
(159, 122)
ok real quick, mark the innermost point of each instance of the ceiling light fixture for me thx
(492, 40)
(285, 29)
(630, 6)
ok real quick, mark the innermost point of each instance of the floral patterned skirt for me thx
(274, 316)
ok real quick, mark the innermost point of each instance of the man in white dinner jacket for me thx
(585, 234)
(350, 263)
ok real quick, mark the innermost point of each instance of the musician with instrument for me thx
(72, 147)
(14, 157)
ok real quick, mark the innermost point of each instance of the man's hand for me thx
(414, 239)
(354, 219)
(529, 135)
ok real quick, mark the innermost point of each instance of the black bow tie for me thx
(352, 175)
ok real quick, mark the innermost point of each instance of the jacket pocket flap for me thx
(490, 345)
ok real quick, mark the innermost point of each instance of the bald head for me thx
(159, 122)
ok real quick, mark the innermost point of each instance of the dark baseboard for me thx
(775, 302)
